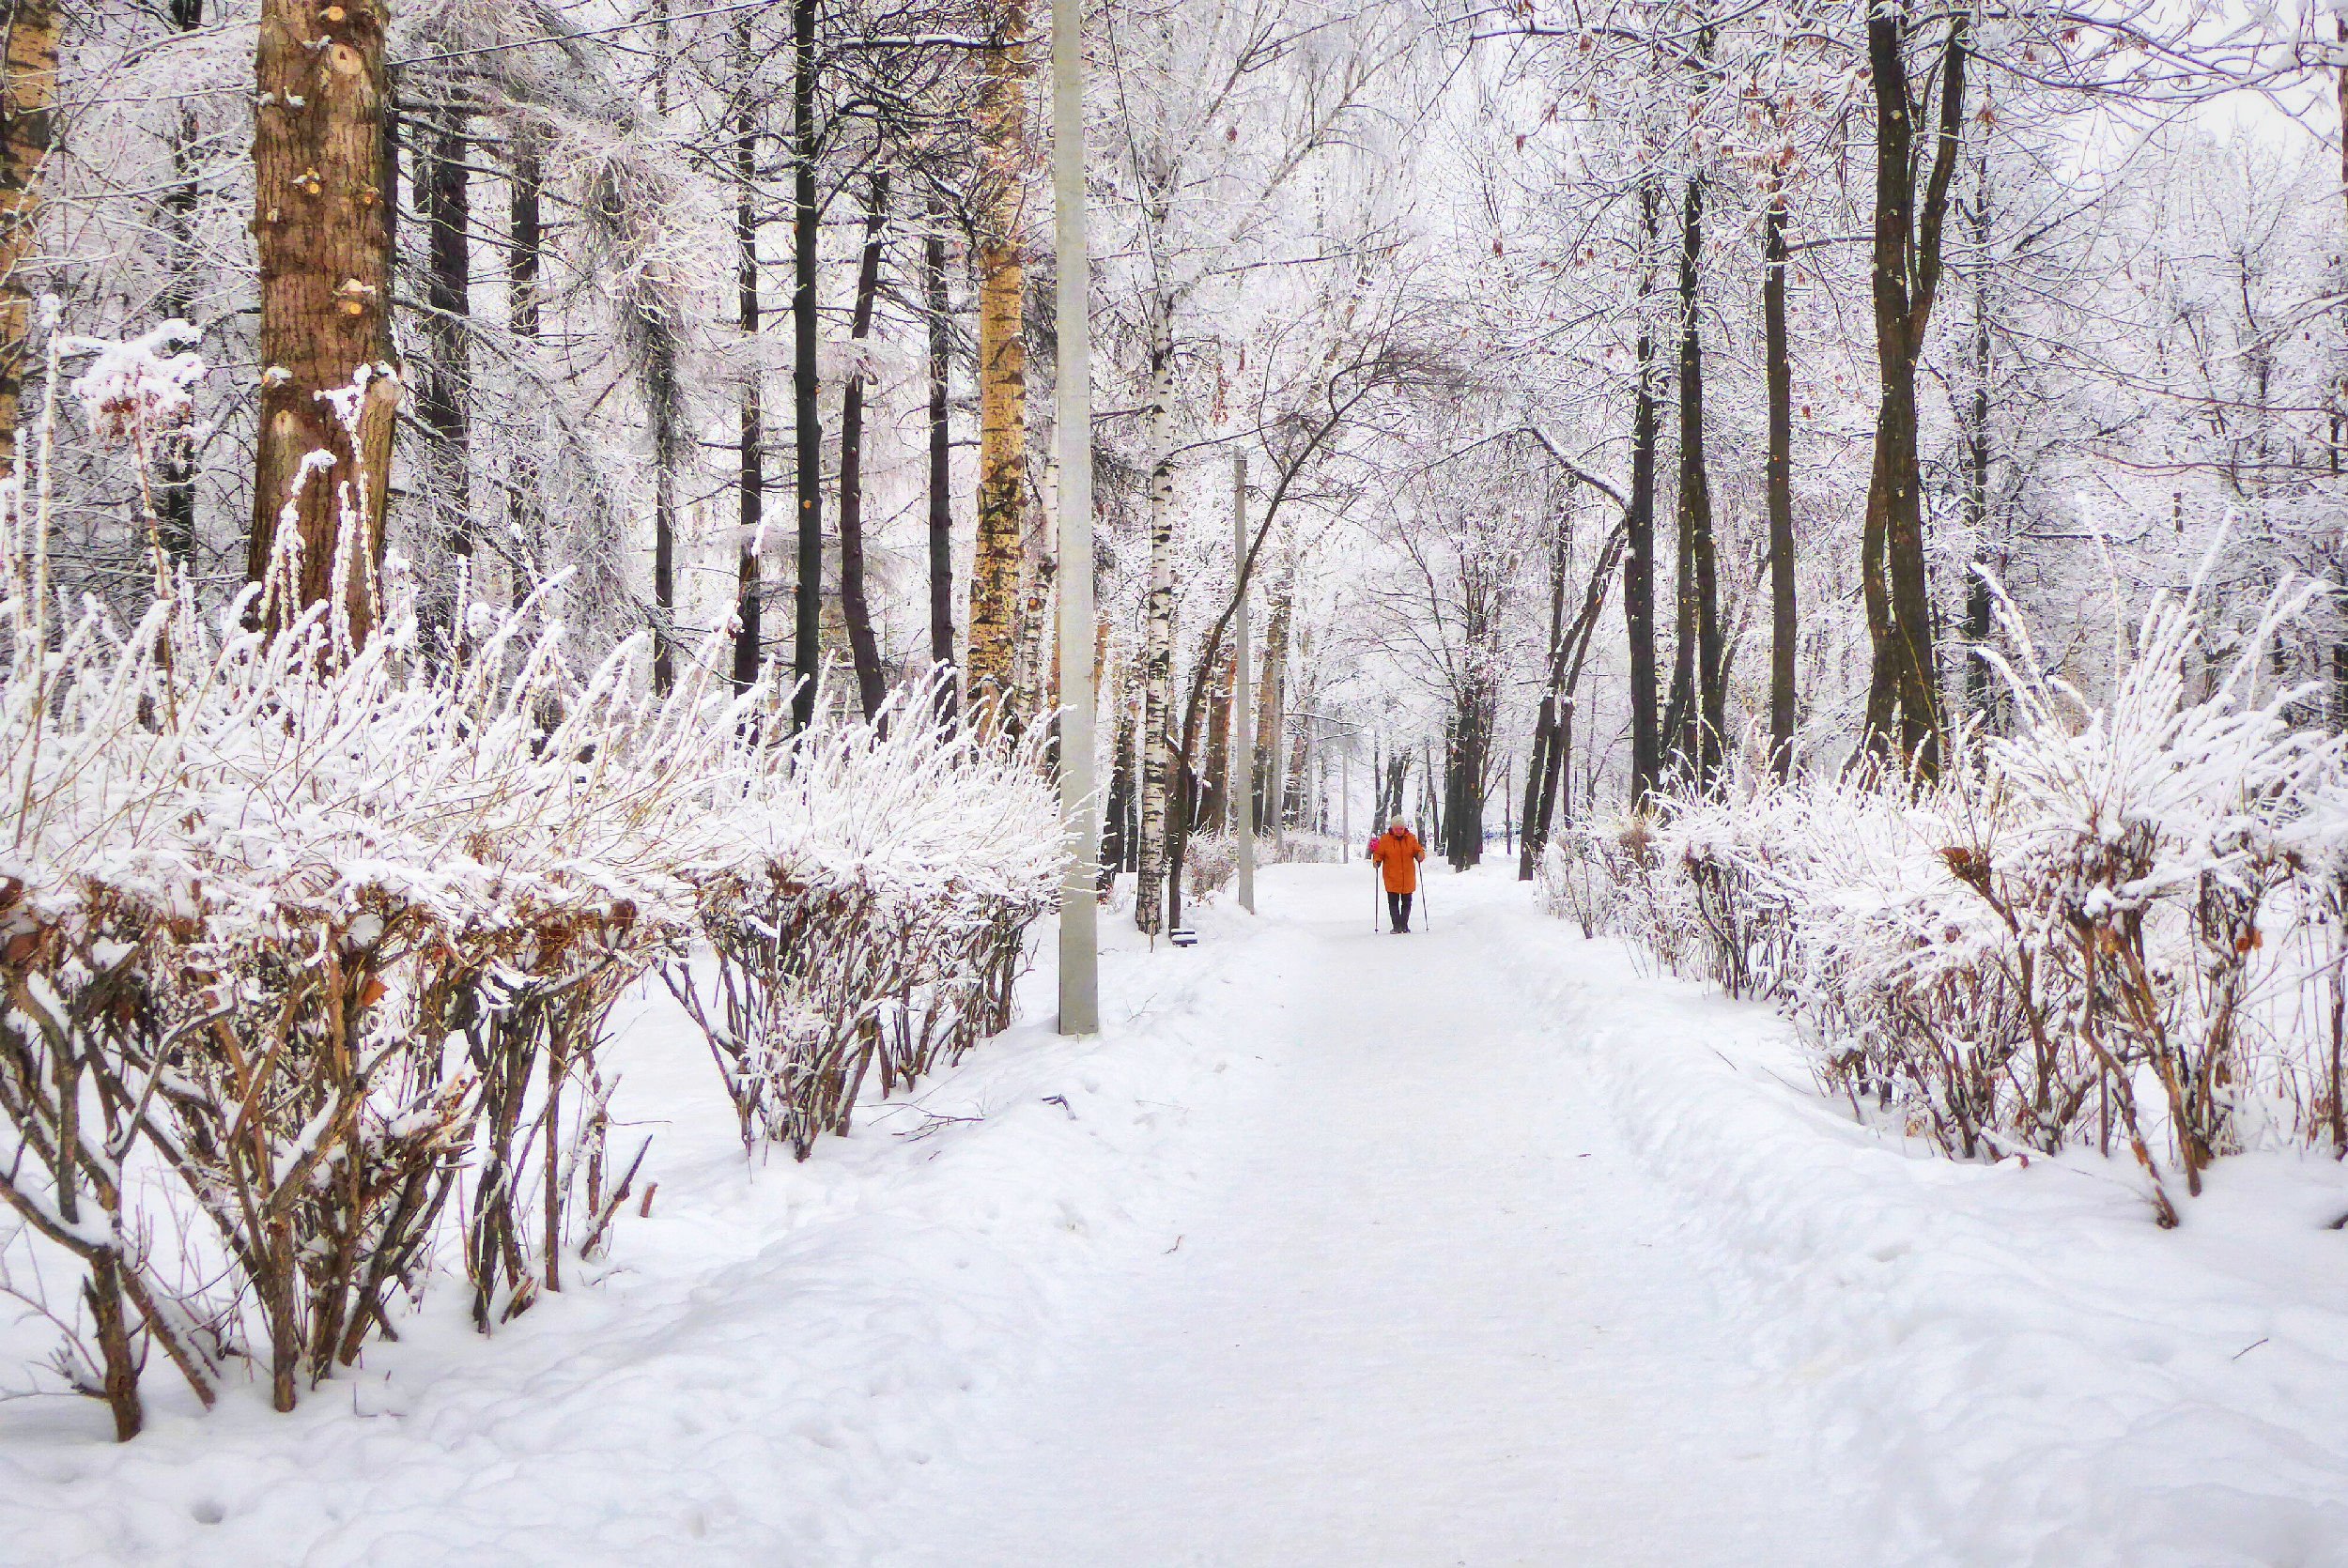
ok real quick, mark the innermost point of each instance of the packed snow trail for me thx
(1420, 1307)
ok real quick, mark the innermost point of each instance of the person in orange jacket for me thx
(1397, 853)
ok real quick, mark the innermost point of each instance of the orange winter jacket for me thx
(1398, 855)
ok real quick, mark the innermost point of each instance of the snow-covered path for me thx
(1419, 1307)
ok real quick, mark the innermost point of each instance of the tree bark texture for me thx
(444, 392)
(1903, 702)
(525, 509)
(750, 408)
(806, 382)
(1157, 660)
(1979, 611)
(1002, 359)
(941, 501)
(175, 457)
(1639, 527)
(28, 129)
(855, 608)
(1706, 719)
(322, 198)
(1779, 484)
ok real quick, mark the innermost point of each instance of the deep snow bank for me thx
(2021, 1365)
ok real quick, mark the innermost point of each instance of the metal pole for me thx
(1079, 907)
(1243, 697)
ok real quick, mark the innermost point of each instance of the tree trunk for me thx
(751, 409)
(28, 129)
(1779, 484)
(524, 507)
(174, 457)
(863, 648)
(941, 503)
(444, 396)
(1980, 688)
(807, 425)
(1903, 702)
(1215, 785)
(322, 193)
(1116, 842)
(1157, 662)
(660, 396)
(1545, 728)
(1706, 713)
(1639, 527)
(1270, 712)
(1002, 358)
(660, 399)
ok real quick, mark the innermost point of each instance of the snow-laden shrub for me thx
(867, 892)
(1209, 861)
(253, 885)
(2121, 922)
(307, 944)
(1574, 881)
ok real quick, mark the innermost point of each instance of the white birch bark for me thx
(1157, 662)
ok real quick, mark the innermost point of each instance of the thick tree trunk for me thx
(1002, 358)
(749, 507)
(863, 647)
(806, 382)
(1214, 787)
(28, 129)
(1903, 704)
(1639, 527)
(1779, 484)
(322, 195)
(941, 500)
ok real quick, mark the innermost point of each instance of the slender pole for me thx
(1242, 693)
(1079, 906)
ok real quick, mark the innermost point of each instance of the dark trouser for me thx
(1398, 911)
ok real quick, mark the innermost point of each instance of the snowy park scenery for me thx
(1178, 783)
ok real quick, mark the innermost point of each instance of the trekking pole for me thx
(1426, 909)
(1377, 887)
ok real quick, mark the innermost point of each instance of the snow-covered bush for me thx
(307, 944)
(2120, 922)
(866, 892)
(254, 884)
(1209, 861)
(1574, 881)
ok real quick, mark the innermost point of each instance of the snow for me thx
(1479, 1246)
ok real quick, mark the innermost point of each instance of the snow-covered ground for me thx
(1477, 1247)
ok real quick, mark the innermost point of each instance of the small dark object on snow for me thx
(1184, 937)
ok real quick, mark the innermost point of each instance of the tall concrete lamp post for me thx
(1079, 907)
